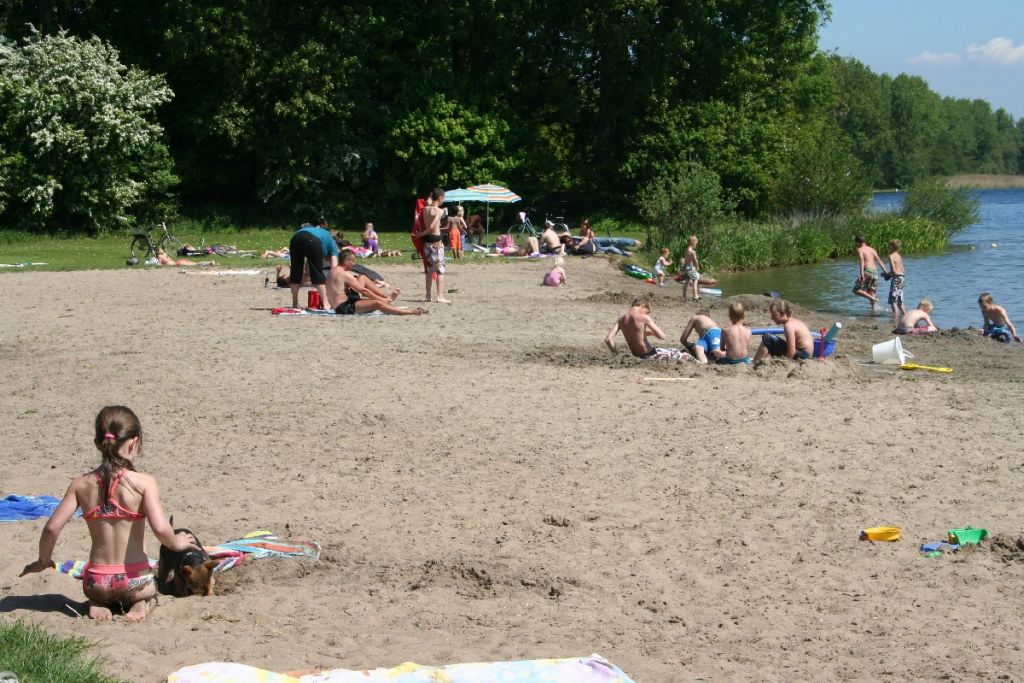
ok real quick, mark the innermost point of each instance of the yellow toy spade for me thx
(915, 366)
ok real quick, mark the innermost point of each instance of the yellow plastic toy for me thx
(881, 533)
(915, 366)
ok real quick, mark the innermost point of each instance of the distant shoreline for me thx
(984, 181)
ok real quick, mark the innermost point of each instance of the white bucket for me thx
(890, 353)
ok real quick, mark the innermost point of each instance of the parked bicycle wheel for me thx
(172, 245)
(141, 248)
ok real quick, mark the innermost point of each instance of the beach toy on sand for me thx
(890, 353)
(638, 273)
(915, 366)
(833, 331)
(711, 291)
(881, 533)
(967, 535)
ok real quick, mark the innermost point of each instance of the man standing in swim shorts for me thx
(867, 281)
(311, 246)
(433, 246)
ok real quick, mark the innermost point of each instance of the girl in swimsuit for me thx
(117, 500)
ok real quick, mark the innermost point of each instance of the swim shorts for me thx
(733, 361)
(348, 306)
(690, 272)
(435, 257)
(711, 341)
(658, 270)
(776, 346)
(998, 332)
(116, 578)
(869, 283)
(896, 290)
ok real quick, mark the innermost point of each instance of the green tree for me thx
(820, 176)
(684, 200)
(83, 150)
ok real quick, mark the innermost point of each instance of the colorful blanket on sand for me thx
(592, 669)
(253, 546)
(15, 508)
(328, 314)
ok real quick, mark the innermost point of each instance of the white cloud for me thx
(1000, 50)
(935, 58)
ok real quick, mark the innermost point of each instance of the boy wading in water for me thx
(433, 246)
(636, 326)
(895, 278)
(867, 281)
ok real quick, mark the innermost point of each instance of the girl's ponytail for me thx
(114, 426)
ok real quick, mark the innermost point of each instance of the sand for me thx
(488, 483)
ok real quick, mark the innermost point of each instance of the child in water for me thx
(116, 499)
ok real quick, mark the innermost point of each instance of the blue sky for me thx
(963, 48)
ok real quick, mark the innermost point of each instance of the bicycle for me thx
(143, 247)
(524, 226)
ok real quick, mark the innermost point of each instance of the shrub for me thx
(82, 148)
(952, 208)
(685, 200)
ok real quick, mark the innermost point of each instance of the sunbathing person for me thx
(917, 320)
(276, 253)
(530, 246)
(164, 260)
(636, 325)
(349, 293)
(282, 277)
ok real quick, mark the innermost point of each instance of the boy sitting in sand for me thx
(709, 336)
(797, 342)
(867, 280)
(735, 338)
(636, 325)
(917, 320)
(556, 276)
(691, 268)
(996, 323)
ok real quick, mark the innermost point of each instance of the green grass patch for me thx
(36, 656)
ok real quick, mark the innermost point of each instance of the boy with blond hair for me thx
(636, 325)
(796, 343)
(691, 268)
(895, 278)
(996, 323)
(660, 265)
(736, 338)
(917, 320)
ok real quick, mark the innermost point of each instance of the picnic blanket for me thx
(592, 669)
(253, 546)
(330, 314)
(15, 508)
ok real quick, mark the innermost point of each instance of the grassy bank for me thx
(745, 245)
(36, 656)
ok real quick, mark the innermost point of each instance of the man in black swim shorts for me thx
(311, 247)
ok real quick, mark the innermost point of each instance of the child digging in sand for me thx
(917, 320)
(556, 276)
(709, 337)
(796, 342)
(117, 500)
(996, 323)
(636, 326)
(736, 338)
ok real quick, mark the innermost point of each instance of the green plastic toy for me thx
(967, 535)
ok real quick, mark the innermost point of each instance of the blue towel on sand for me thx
(15, 508)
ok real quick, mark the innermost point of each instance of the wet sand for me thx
(488, 483)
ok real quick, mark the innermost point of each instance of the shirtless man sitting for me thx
(551, 242)
(709, 337)
(349, 293)
(636, 325)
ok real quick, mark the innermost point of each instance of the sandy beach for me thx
(488, 483)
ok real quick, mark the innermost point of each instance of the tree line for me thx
(354, 108)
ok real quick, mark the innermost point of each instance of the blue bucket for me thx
(830, 348)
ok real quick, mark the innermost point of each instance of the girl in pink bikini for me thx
(116, 500)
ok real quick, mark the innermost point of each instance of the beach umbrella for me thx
(460, 195)
(494, 194)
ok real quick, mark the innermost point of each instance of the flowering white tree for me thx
(80, 145)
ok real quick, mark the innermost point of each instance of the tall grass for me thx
(749, 245)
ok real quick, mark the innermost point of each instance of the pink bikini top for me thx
(112, 509)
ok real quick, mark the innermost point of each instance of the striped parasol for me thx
(493, 194)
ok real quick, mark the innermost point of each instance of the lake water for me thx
(952, 280)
